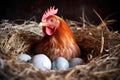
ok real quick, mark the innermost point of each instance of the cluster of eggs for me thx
(42, 62)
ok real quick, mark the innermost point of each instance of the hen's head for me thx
(50, 22)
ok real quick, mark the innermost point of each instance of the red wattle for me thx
(48, 31)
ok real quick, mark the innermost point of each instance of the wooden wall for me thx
(71, 9)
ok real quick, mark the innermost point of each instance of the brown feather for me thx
(61, 43)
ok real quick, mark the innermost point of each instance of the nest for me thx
(100, 48)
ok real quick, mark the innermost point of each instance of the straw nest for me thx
(100, 48)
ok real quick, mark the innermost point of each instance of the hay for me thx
(100, 48)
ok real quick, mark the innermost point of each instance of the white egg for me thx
(24, 57)
(42, 62)
(2, 63)
(60, 63)
(76, 61)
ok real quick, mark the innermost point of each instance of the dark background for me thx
(71, 9)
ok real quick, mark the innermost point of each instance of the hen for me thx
(58, 40)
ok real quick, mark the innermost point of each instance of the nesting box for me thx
(100, 50)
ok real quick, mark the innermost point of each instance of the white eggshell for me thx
(75, 61)
(42, 62)
(2, 63)
(24, 57)
(60, 63)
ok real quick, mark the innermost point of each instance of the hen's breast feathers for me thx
(61, 43)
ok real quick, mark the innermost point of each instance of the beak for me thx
(41, 24)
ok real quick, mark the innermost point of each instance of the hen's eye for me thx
(52, 20)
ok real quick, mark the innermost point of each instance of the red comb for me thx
(49, 12)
